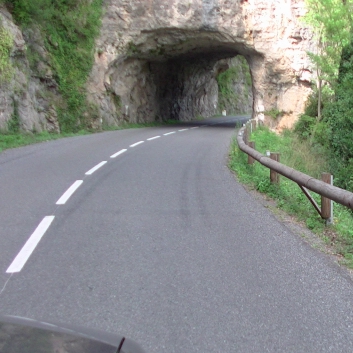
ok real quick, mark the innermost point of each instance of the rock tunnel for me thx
(159, 60)
(175, 82)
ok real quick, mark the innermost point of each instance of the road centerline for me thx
(68, 193)
(99, 165)
(153, 138)
(137, 143)
(118, 153)
(32, 242)
(169, 133)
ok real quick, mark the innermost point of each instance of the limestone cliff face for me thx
(158, 58)
(31, 93)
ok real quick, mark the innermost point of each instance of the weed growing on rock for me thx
(13, 125)
(274, 113)
(6, 43)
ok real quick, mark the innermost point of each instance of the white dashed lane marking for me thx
(118, 153)
(99, 165)
(68, 193)
(31, 244)
(137, 143)
(153, 138)
(26, 251)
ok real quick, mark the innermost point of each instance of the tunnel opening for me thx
(202, 85)
(189, 79)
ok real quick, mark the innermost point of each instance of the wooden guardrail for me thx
(304, 181)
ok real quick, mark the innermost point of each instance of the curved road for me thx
(161, 244)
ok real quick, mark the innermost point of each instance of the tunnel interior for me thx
(187, 86)
(172, 78)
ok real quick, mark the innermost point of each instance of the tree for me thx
(331, 22)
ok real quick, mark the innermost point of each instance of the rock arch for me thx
(159, 58)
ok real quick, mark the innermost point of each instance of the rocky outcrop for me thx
(157, 58)
(30, 96)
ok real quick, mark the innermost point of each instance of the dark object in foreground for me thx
(19, 334)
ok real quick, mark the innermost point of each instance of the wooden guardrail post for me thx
(274, 176)
(326, 204)
(251, 160)
(248, 135)
(253, 125)
(244, 134)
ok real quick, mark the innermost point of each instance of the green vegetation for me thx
(132, 49)
(158, 51)
(13, 125)
(310, 159)
(225, 81)
(331, 21)
(328, 118)
(6, 42)
(322, 139)
(227, 98)
(334, 132)
(69, 28)
(13, 138)
(274, 113)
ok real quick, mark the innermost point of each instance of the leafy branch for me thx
(331, 22)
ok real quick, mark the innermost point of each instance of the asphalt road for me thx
(161, 244)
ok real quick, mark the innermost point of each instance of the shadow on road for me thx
(230, 121)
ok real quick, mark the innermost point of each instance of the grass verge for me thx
(13, 139)
(308, 159)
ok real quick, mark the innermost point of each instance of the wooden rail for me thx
(331, 192)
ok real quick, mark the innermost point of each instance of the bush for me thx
(321, 134)
(338, 116)
(343, 172)
(311, 105)
(304, 126)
